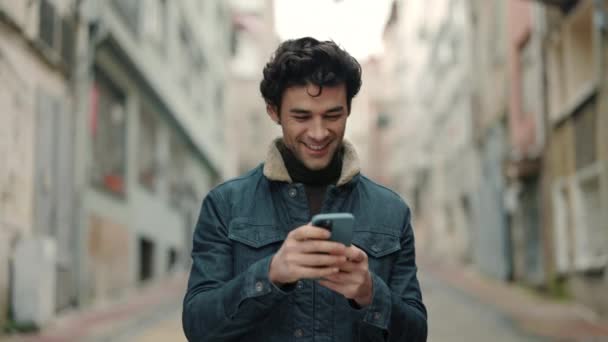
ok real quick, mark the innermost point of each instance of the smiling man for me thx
(261, 271)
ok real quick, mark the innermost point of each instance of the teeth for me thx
(316, 148)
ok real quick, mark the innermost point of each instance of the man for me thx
(260, 271)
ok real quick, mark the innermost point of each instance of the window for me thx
(147, 156)
(172, 259)
(47, 23)
(556, 78)
(383, 121)
(579, 52)
(529, 94)
(562, 217)
(146, 259)
(194, 61)
(585, 125)
(68, 37)
(56, 33)
(592, 237)
(234, 32)
(108, 131)
(178, 153)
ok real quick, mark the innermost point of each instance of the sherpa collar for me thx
(275, 169)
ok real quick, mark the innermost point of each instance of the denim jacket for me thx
(242, 224)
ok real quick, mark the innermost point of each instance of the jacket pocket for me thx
(252, 242)
(381, 248)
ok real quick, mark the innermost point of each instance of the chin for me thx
(316, 166)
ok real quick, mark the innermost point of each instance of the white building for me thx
(118, 137)
(435, 155)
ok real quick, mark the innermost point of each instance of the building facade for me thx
(577, 184)
(122, 135)
(37, 55)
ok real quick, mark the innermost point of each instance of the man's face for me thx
(313, 126)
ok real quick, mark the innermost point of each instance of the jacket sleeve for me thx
(219, 305)
(397, 312)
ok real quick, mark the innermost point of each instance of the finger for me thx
(353, 267)
(355, 254)
(321, 246)
(309, 232)
(350, 267)
(317, 260)
(345, 278)
(303, 272)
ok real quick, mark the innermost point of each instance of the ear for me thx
(273, 113)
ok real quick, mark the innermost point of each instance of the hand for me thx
(354, 280)
(306, 253)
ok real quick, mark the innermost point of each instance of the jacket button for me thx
(377, 316)
(259, 287)
(376, 248)
(298, 333)
(292, 192)
(300, 285)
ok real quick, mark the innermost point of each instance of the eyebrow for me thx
(305, 111)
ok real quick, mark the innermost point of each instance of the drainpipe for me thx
(89, 35)
(540, 32)
(601, 25)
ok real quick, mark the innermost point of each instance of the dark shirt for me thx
(315, 181)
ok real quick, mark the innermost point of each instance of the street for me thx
(167, 329)
(453, 316)
(462, 306)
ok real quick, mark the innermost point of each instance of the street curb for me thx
(115, 318)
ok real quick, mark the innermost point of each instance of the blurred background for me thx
(490, 117)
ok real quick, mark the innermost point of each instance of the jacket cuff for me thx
(378, 313)
(257, 292)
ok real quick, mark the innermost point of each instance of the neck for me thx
(301, 174)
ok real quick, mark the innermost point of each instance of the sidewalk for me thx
(534, 314)
(114, 318)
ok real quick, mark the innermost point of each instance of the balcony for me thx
(564, 5)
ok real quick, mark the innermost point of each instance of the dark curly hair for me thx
(307, 60)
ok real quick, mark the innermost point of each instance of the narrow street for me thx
(462, 306)
(168, 328)
(456, 316)
(453, 316)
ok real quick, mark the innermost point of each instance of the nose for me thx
(318, 131)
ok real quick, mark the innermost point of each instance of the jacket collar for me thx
(275, 169)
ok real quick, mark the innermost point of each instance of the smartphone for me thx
(339, 224)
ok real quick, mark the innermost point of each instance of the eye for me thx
(333, 117)
(300, 117)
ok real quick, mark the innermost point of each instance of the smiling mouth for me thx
(316, 147)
